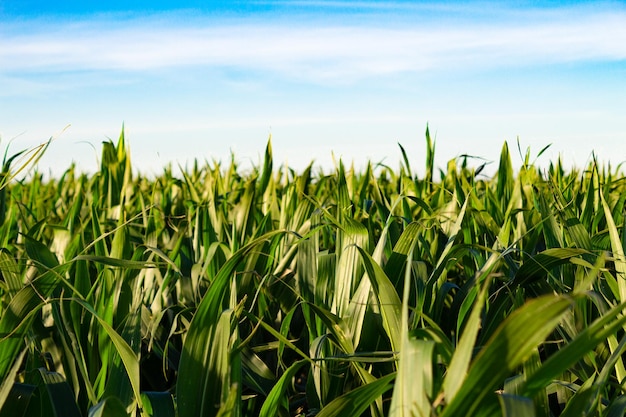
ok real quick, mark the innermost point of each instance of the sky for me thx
(327, 80)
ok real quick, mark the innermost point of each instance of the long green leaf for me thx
(618, 250)
(56, 394)
(19, 314)
(457, 371)
(516, 406)
(540, 265)
(126, 353)
(355, 402)
(389, 303)
(277, 397)
(584, 343)
(508, 348)
(203, 382)
(109, 407)
(414, 382)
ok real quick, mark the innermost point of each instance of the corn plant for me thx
(214, 291)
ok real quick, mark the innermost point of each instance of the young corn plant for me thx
(217, 292)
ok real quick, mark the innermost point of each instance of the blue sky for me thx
(199, 80)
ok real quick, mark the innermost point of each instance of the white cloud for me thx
(314, 52)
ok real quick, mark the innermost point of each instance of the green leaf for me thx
(40, 253)
(516, 406)
(127, 355)
(108, 407)
(580, 403)
(457, 371)
(56, 394)
(413, 387)
(19, 314)
(511, 344)
(541, 264)
(115, 262)
(355, 402)
(617, 407)
(405, 158)
(206, 371)
(618, 252)
(267, 167)
(277, 396)
(585, 342)
(230, 406)
(10, 272)
(349, 270)
(506, 181)
(389, 303)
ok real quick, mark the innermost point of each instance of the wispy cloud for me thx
(314, 52)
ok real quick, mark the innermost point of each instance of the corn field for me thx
(271, 292)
